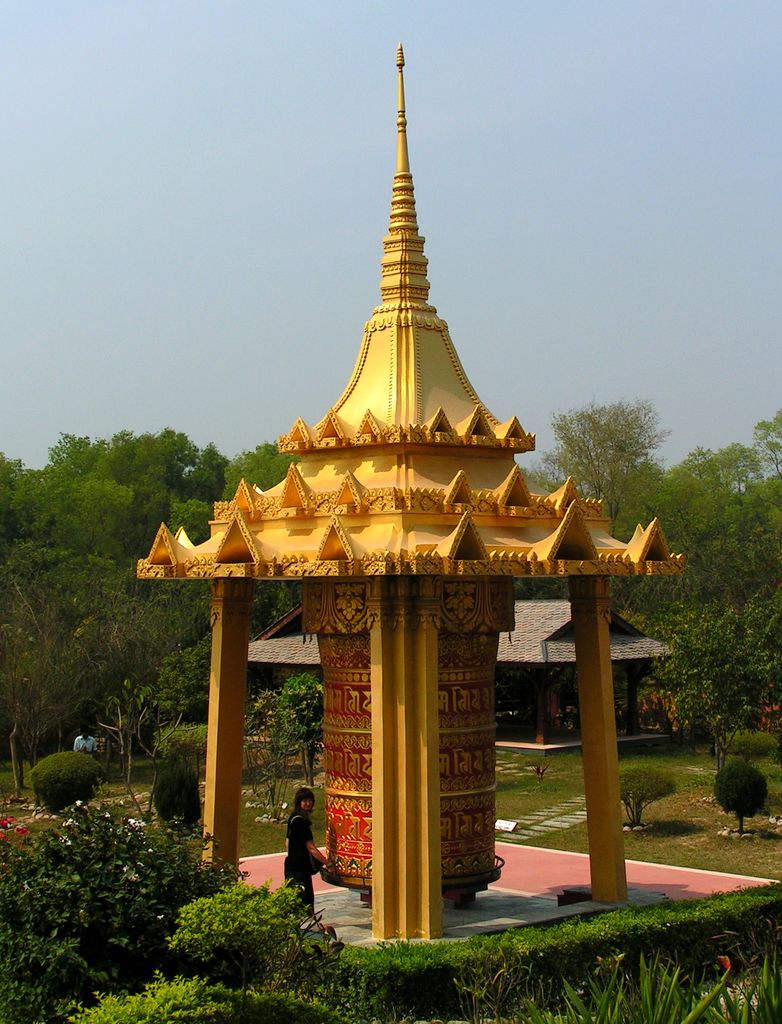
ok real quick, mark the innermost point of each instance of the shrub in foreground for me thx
(255, 936)
(89, 907)
(641, 785)
(741, 789)
(195, 1001)
(420, 981)
(59, 780)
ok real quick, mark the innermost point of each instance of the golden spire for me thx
(402, 159)
(404, 281)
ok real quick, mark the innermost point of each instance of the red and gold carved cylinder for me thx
(467, 757)
(466, 721)
(347, 756)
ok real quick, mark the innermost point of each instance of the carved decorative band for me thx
(329, 606)
(477, 605)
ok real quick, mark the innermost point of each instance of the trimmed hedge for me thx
(418, 980)
(59, 780)
(195, 1001)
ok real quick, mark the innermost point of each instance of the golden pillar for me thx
(230, 617)
(407, 872)
(591, 610)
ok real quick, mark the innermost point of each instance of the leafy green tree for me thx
(183, 681)
(264, 467)
(10, 471)
(714, 507)
(272, 738)
(610, 452)
(302, 696)
(714, 674)
(768, 444)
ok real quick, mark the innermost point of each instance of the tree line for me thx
(722, 619)
(82, 639)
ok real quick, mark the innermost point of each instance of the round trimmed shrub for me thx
(176, 793)
(640, 785)
(741, 789)
(59, 780)
(195, 1001)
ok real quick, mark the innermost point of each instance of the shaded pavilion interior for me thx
(536, 692)
(406, 520)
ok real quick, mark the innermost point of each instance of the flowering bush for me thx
(89, 906)
(11, 831)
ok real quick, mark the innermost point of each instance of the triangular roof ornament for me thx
(439, 423)
(513, 490)
(330, 428)
(571, 541)
(475, 425)
(511, 429)
(300, 433)
(458, 492)
(163, 550)
(369, 427)
(294, 492)
(351, 491)
(244, 498)
(182, 538)
(238, 544)
(649, 545)
(335, 546)
(464, 544)
(565, 495)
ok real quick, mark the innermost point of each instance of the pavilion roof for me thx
(408, 472)
(542, 635)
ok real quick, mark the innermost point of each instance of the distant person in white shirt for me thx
(85, 741)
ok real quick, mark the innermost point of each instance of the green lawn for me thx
(683, 828)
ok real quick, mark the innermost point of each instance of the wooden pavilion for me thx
(531, 661)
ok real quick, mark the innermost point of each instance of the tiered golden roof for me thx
(408, 472)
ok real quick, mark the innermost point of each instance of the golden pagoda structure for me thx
(406, 519)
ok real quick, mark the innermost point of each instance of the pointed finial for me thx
(402, 159)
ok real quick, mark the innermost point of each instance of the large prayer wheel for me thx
(465, 703)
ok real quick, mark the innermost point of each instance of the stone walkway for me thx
(551, 819)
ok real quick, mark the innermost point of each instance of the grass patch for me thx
(683, 828)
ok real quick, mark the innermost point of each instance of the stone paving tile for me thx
(492, 911)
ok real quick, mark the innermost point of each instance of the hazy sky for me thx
(193, 197)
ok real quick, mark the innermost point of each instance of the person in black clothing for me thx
(301, 846)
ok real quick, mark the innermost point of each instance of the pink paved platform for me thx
(535, 872)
